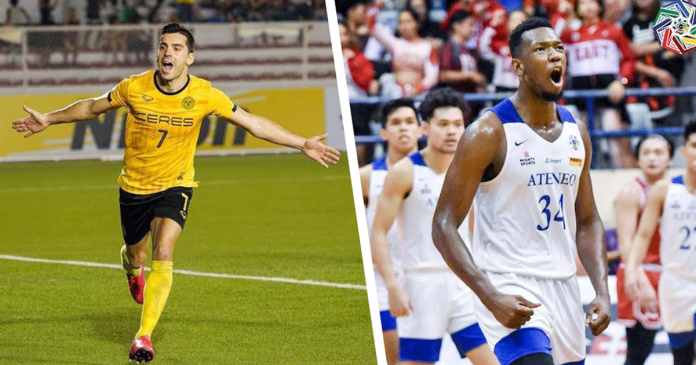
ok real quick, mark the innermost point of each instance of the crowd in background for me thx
(402, 48)
(97, 12)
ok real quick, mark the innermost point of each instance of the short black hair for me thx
(689, 129)
(394, 104)
(601, 8)
(413, 12)
(636, 152)
(528, 24)
(178, 28)
(442, 97)
(458, 17)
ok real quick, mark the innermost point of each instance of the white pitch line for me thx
(194, 273)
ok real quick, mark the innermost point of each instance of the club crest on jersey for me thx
(527, 160)
(574, 142)
(675, 205)
(426, 190)
(148, 98)
(188, 103)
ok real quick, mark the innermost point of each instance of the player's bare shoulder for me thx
(365, 174)
(400, 177)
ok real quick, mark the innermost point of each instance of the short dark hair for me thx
(178, 28)
(528, 24)
(689, 129)
(442, 97)
(636, 152)
(601, 8)
(394, 104)
(458, 17)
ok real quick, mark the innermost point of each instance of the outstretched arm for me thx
(397, 185)
(477, 151)
(85, 109)
(590, 241)
(265, 129)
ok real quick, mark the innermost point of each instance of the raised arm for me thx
(478, 151)
(265, 129)
(637, 283)
(590, 241)
(397, 185)
(85, 109)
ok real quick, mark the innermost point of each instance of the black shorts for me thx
(138, 211)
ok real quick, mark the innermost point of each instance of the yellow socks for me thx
(159, 282)
(134, 271)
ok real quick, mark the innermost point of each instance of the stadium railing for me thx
(588, 95)
(34, 58)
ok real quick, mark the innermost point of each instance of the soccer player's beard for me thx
(551, 96)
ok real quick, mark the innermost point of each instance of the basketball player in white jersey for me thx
(432, 301)
(401, 131)
(527, 164)
(672, 204)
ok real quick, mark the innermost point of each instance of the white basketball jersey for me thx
(678, 231)
(379, 173)
(525, 217)
(415, 221)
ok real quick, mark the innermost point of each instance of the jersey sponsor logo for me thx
(527, 160)
(575, 162)
(553, 161)
(574, 142)
(552, 178)
(519, 143)
(148, 98)
(675, 27)
(188, 103)
(157, 119)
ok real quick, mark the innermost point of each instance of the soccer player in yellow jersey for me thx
(162, 127)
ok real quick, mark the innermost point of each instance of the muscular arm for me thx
(266, 129)
(81, 110)
(477, 150)
(590, 241)
(627, 208)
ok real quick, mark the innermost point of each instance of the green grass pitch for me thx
(274, 215)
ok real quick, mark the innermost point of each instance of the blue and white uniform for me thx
(441, 302)
(379, 173)
(678, 256)
(524, 239)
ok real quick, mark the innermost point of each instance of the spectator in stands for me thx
(496, 49)
(458, 66)
(234, 11)
(93, 11)
(427, 28)
(654, 154)
(70, 39)
(303, 9)
(483, 12)
(655, 67)
(14, 14)
(46, 8)
(615, 11)
(414, 59)
(185, 9)
(600, 57)
(360, 79)
(356, 20)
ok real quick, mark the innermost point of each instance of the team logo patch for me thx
(574, 142)
(576, 162)
(527, 160)
(675, 27)
(675, 205)
(148, 98)
(188, 103)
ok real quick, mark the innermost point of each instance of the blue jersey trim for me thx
(506, 112)
(522, 342)
(565, 115)
(417, 159)
(420, 350)
(379, 164)
(681, 339)
(678, 180)
(388, 322)
(581, 362)
(468, 339)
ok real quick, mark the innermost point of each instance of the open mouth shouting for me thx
(557, 76)
(167, 66)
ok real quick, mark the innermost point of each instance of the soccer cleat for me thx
(141, 350)
(137, 285)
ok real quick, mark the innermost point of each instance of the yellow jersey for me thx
(162, 130)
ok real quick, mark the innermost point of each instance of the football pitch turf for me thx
(280, 216)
